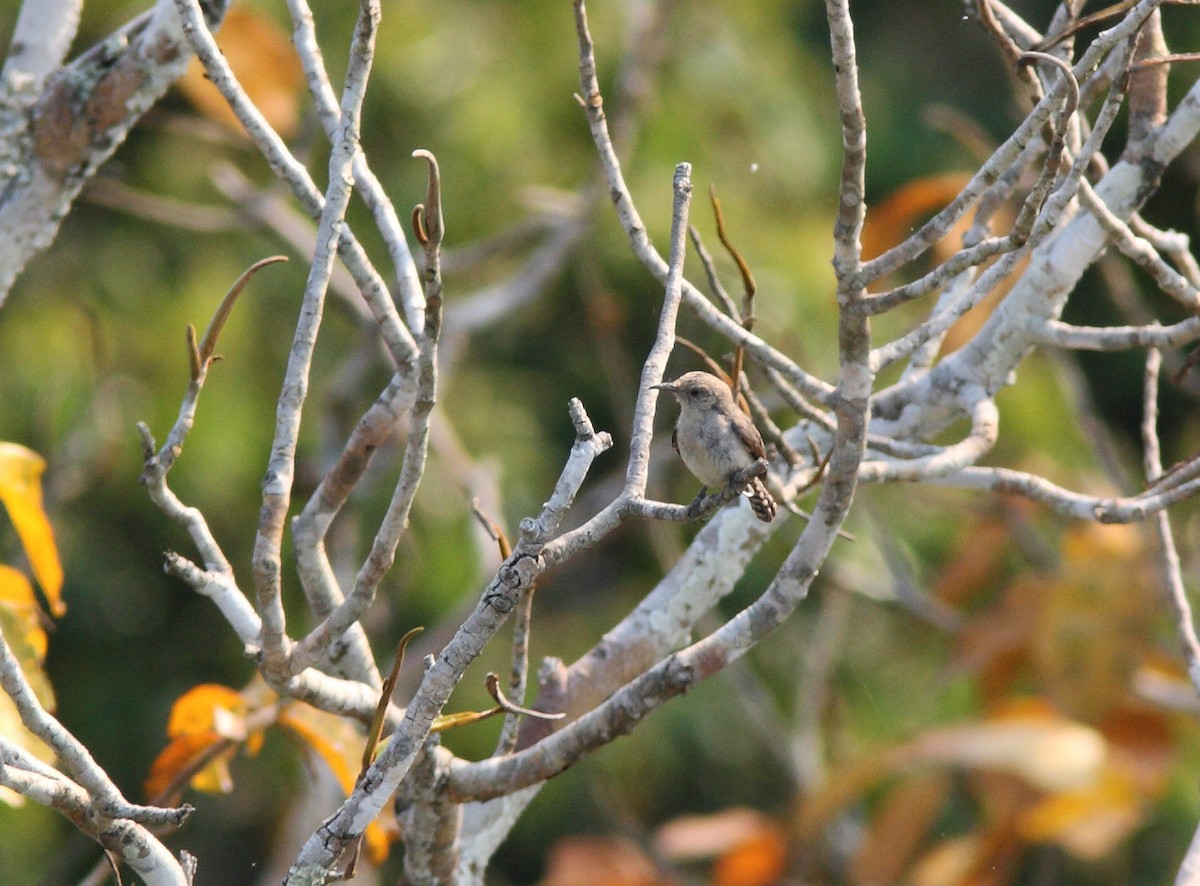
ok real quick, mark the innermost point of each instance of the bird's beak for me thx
(667, 386)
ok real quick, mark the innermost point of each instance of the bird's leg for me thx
(696, 508)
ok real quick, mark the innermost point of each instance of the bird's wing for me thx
(748, 434)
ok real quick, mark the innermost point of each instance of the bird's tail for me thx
(761, 501)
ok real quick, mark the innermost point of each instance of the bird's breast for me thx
(710, 449)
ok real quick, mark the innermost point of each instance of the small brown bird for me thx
(715, 438)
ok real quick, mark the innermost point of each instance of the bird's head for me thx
(697, 390)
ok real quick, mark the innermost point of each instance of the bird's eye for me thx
(694, 392)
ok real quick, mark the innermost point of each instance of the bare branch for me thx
(323, 850)
(93, 803)
(593, 104)
(41, 38)
(1172, 574)
(79, 118)
(368, 186)
(637, 472)
(277, 485)
(985, 430)
(399, 340)
(1119, 338)
(395, 521)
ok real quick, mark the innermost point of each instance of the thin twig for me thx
(1172, 575)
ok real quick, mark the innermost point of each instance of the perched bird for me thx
(715, 438)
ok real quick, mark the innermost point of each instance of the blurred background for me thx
(869, 740)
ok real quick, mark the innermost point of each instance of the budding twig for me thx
(221, 315)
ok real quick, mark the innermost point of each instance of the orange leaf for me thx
(339, 743)
(264, 62)
(378, 840)
(760, 861)
(21, 493)
(202, 717)
(207, 708)
(181, 753)
(893, 218)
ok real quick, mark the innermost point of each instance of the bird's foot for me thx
(696, 508)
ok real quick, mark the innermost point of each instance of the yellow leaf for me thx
(263, 60)
(1046, 750)
(208, 707)
(21, 493)
(215, 777)
(205, 716)
(27, 639)
(334, 739)
(1089, 823)
(19, 616)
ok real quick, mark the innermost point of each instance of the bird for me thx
(715, 438)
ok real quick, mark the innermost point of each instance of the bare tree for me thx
(61, 121)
